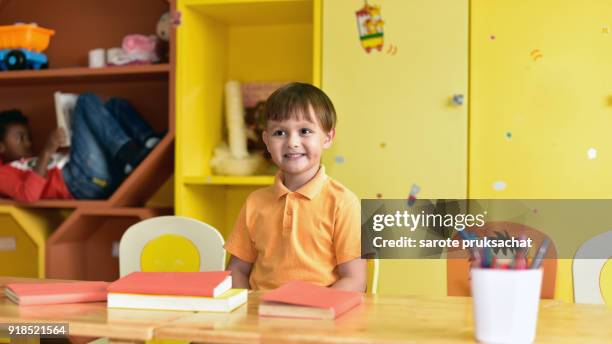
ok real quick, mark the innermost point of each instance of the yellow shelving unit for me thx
(23, 234)
(244, 40)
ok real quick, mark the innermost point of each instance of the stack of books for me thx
(299, 299)
(180, 291)
(30, 294)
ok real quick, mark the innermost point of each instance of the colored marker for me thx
(537, 259)
(477, 260)
(488, 260)
(519, 262)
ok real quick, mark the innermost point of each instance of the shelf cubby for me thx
(248, 41)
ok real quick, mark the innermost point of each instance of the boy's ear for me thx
(264, 136)
(329, 138)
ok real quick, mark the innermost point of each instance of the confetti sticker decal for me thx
(592, 153)
(370, 26)
(536, 54)
(383, 145)
(492, 37)
(414, 190)
(499, 185)
(605, 29)
(392, 50)
(508, 135)
(339, 159)
(378, 195)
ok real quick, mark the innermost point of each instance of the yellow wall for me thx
(544, 78)
(556, 106)
(396, 126)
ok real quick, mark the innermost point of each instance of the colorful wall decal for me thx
(370, 27)
(499, 185)
(536, 54)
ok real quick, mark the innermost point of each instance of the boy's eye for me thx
(306, 131)
(278, 133)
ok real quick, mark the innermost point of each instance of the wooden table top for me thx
(91, 319)
(388, 319)
(381, 319)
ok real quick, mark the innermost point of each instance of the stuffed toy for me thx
(234, 158)
(141, 49)
(163, 33)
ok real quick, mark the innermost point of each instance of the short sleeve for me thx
(347, 231)
(239, 243)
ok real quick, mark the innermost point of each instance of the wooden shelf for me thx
(56, 203)
(229, 180)
(80, 236)
(85, 73)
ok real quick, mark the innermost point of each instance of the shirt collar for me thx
(308, 190)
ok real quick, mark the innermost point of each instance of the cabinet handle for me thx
(458, 99)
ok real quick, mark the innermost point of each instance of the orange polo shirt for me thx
(301, 235)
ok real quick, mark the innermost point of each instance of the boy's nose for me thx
(294, 141)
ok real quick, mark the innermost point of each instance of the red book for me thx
(26, 294)
(299, 299)
(207, 284)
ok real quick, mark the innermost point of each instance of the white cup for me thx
(97, 58)
(506, 304)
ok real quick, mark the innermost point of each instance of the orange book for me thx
(207, 284)
(26, 294)
(298, 299)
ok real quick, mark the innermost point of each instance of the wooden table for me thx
(381, 319)
(88, 319)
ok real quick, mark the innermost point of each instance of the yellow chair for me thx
(373, 269)
(171, 243)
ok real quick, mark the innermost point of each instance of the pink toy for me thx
(141, 48)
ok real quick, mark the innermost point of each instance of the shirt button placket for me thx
(288, 218)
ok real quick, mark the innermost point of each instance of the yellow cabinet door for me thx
(392, 71)
(540, 116)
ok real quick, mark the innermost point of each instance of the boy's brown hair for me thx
(294, 100)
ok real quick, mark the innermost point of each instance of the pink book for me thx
(26, 294)
(299, 299)
(207, 284)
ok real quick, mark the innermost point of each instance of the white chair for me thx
(171, 243)
(588, 267)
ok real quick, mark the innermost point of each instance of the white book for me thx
(64, 107)
(225, 302)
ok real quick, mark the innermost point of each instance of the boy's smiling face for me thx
(296, 145)
(16, 143)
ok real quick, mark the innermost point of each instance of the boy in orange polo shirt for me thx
(306, 226)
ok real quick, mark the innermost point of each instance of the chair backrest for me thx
(171, 243)
(592, 281)
(373, 270)
(458, 266)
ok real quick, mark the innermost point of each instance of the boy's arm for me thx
(352, 275)
(56, 138)
(20, 189)
(241, 271)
